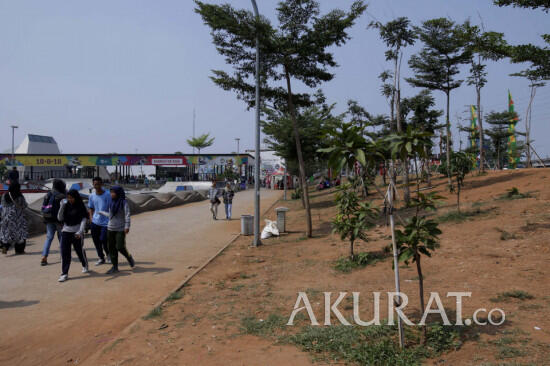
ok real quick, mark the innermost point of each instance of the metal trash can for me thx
(247, 225)
(281, 218)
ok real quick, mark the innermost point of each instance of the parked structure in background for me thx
(47, 161)
(38, 158)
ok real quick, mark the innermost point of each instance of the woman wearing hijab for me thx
(13, 228)
(73, 215)
(50, 209)
(118, 227)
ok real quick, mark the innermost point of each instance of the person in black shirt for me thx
(73, 215)
(13, 175)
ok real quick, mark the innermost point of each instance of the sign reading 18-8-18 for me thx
(114, 160)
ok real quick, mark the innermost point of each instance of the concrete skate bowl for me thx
(158, 201)
(139, 203)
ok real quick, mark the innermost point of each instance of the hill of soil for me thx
(234, 312)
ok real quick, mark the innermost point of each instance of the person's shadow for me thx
(126, 271)
(17, 303)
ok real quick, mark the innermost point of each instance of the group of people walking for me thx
(227, 194)
(66, 216)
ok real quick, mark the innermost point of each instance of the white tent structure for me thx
(43, 145)
(36, 144)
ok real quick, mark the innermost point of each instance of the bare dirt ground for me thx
(503, 246)
(44, 322)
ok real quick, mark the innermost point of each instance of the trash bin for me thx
(281, 218)
(247, 224)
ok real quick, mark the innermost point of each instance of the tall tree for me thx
(358, 115)
(312, 120)
(484, 46)
(533, 4)
(388, 91)
(537, 56)
(535, 81)
(499, 134)
(298, 48)
(201, 142)
(423, 118)
(436, 66)
(397, 34)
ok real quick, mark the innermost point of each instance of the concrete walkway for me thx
(44, 322)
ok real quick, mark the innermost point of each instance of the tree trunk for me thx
(458, 198)
(395, 255)
(397, 91)
(351, 253)
(440, 145)
(428, 167)
(448, 137)
(498, 156)
(301, 193)
(364, 182)
(301, 164)
(528, 125)
(481, 148)
(417, 178)
(421, 294)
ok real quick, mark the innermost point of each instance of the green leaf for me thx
(360, 156)
(406, 255)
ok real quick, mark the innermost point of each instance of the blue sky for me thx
(124, 76)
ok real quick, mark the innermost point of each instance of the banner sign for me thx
(116, 160)
(167, 161)
(513, 158)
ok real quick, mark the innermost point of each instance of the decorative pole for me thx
(13, 127)
(257, 148)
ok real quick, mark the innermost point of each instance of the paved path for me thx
(43, 322)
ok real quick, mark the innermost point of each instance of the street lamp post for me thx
(257, 147)
(238, 145)
(13, 127)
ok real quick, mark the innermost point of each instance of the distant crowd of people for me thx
(325, 183)
(67, 217)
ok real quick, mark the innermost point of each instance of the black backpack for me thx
(50, 206)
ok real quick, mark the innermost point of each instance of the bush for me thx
(515, 294)
(376, 345)
(297, 194)
(514, 194)
(260, 327)
(361, 260)
(156, 312)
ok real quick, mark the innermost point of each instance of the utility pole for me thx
(13, 127)
(193, 128)
(257, 153)
(238, 147)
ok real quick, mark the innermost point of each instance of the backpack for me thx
(50, 207)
